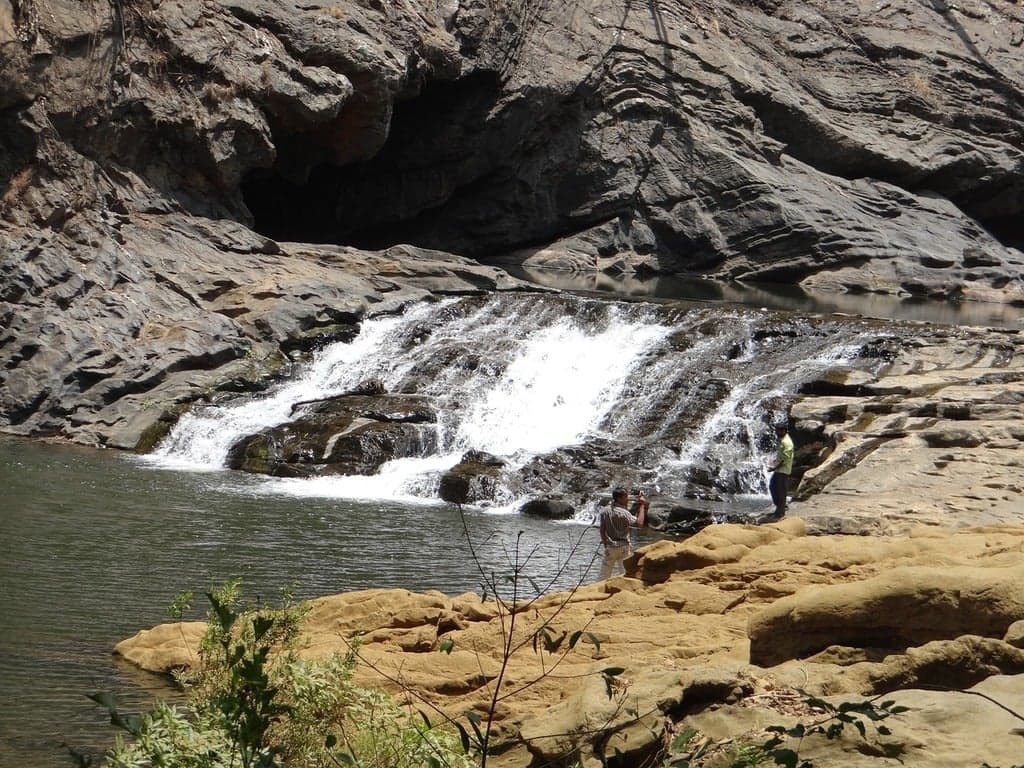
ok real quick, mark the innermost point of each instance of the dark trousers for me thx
(778, 487)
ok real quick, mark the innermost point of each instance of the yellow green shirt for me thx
(784, 458)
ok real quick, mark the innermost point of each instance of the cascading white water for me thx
(201, 439)
(549, 387)
(743, 411)
(524, 376)
(557, 390)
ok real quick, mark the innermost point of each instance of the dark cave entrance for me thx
(1008, 230)
(285, 210)
(439, 158)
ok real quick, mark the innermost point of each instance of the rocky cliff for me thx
(159, 161)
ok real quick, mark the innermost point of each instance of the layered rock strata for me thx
(935, 439)
(848, 146)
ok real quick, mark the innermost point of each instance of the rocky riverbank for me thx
(718, 633)
(162, 164)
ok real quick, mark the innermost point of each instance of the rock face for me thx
(838, 146)
(110, 340)
(712, 633)
(130, 286)
(902, 607)
(829, 145)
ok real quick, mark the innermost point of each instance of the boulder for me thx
(898, 609)
(552, 509)
(470, 482)
(680, 520)
(164, 648)
(347, 435)
(1015, 634)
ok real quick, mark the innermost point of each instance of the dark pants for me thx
(778, 487)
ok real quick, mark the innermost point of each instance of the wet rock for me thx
(838, 382)
(680, 520)
(370, 387)
(315, 338)
(349, 435)
(482, 457)
(553, 509)
(471, 482)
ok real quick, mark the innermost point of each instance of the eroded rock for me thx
(901, 608)
(682, 645)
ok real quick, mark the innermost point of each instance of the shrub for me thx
(253, 703)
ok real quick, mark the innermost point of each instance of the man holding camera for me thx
(615, 524)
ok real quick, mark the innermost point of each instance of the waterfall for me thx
(201, 439)
(682, 393)
(561, 383)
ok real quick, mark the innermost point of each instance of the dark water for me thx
(780, 297)
(96, 545)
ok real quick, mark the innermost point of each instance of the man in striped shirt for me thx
(615, 524)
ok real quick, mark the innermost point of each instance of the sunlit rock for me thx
(682, 646)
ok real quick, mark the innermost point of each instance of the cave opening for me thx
(1005, 226)
(1008, 230)
(440, 154)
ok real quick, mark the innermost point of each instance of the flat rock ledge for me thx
(933, 438)
(716, 633)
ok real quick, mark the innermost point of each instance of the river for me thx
(96, 543)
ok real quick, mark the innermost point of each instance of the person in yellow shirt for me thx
(778, 486)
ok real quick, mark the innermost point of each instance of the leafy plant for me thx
(254, 703)
(777, 749)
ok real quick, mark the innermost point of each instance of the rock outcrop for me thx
(143, 145)
(717, 633)
(347, 435)
(903, 607)
(934, 439)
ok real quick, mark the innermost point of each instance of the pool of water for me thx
(780, 297)
(96, 545)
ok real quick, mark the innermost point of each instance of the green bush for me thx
(253, 703)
